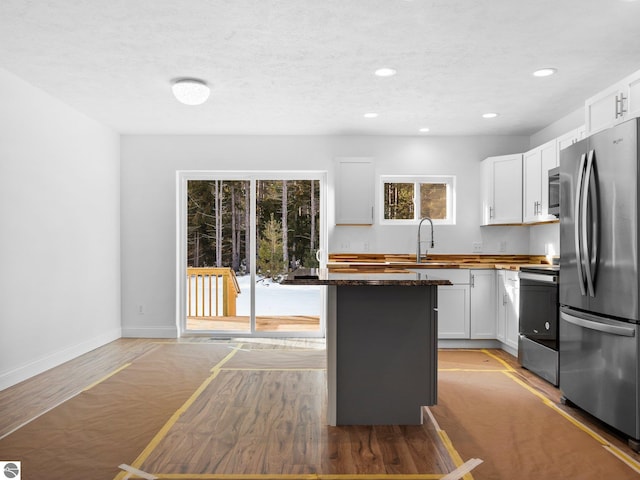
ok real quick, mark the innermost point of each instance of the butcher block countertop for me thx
(365, 262)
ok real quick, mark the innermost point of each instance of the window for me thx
(407, 199)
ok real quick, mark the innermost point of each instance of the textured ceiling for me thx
(306, 66)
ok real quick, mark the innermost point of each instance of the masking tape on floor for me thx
(463, 469)
(302, 476)
(106, 377)
(615, 451)
(215, 371)
(498, 359)
(137, 472)
(448, 444)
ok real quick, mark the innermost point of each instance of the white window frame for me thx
(182, 179)
(450, 180)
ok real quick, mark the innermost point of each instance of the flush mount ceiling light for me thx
(370, 115)
(190, 91)
(544, 72)
(424, 129)
(385, 72)
(489, 115)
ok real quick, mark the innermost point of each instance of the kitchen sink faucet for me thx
(418, 255)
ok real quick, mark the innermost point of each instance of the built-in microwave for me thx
(554, 191)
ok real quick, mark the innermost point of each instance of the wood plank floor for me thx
(285, 433)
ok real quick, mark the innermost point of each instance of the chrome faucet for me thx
(418, 255)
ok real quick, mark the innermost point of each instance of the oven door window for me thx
(539, 312)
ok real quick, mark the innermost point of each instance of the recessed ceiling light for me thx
(370, 115)
(424, 129)
(544, 72)
(489, 115)
(190, 91)
(385, 72)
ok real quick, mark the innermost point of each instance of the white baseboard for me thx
(150, 332)
(17, 375)
(509, 349)
(446, 343)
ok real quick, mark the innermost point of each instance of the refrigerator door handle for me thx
(590, 206)
(600, 327)
(577, 224)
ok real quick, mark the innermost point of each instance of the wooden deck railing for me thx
(211, 289)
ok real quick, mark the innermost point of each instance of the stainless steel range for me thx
(538, 340)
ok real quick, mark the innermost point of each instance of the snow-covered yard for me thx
(271, 298)
(276, 299)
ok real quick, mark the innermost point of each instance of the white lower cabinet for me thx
(466, 309)
(453, 311)
(454, 304)
(483, 294)
(508, 307)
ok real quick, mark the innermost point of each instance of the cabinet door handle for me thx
(490, 212)
(473, 280)
(504, 299)
(620, 110)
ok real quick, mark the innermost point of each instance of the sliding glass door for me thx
(240, 234)
(288, 237)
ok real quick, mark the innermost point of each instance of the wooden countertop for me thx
(372, 262)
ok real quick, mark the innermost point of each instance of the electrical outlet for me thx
(141, 309)
(365, 247)
(477, 247)
(503, 246)
(345, 246)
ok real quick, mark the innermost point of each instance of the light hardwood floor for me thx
(351, 449)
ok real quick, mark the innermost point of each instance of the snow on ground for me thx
(275, 299)
(271, 298)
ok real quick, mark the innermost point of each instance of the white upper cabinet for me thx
(535, 197)
(613, 105)
(502, 190)
(569, 138)
(355, 191)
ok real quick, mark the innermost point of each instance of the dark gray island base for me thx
(382, 337)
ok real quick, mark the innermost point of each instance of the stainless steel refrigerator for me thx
(599, 284)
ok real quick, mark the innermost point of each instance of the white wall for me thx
(561, 126)
(544, 239)
(459, 156)
(148, 196)
(59, 217)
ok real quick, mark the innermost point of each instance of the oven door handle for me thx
(536, 277)
(601, 327)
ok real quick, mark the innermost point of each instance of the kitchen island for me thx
(382, 338)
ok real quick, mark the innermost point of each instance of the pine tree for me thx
(270, 258)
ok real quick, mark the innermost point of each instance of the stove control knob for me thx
(546, 325)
